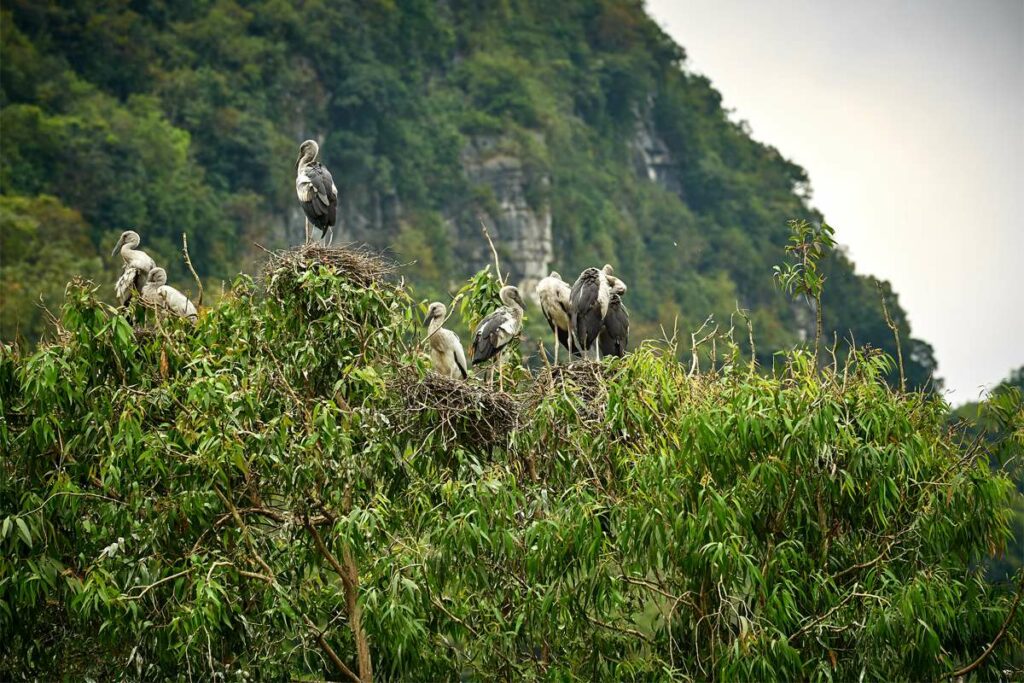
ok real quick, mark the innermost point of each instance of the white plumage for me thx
(163, 296)
(137, 265)
(553, 295)
(446, 352)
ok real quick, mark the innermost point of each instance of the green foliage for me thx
(184, 117)
(249, 495)
(808, 245)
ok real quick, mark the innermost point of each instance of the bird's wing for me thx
(124, 285)
(460, 358)
(615, 330)
(176, 302)
(489, 337)
(586, 313)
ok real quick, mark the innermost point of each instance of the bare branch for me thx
(188, 262)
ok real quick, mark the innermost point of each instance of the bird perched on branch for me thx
(553, 295)
(161, 295)
(614, 334)
(499, 328)
(446, 353)
(317, 192)
(137, 265)
(588, 305)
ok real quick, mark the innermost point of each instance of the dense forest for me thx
(573, 129)
(227, 500)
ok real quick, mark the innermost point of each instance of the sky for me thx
(908, 116)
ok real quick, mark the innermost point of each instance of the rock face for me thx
(651, 156)
(521, 232)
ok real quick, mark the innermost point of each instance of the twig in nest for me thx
(461, 412)
(188, 262)
(360, 265)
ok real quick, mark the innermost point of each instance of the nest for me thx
(358, 264)
(582, 378)
(459, 412)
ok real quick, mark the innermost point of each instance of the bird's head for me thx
(307, 152)
(157, 276)
(437, 311)
(510, 295)
(608, 270)
(128, 237)
(555, 275)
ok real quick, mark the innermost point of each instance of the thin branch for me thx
(331, 654)
(153, 585)
(188, 262)
(999, 636)
(497, 266)
(896, 333)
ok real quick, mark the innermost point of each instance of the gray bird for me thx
(446, 352)
(498, 329)
(161, 295)
(588, 305)
(614, 334)
(317, 192)
(137, 265)
(553, 296)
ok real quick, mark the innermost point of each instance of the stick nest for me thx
(359, 265)
(461, 413)
(583, 378)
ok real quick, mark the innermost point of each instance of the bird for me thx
(588, 305)
(137, 265)
(553, 295)
(158, 293)
(614, 335)
(499, 328)
(317, 192)
(446, 352)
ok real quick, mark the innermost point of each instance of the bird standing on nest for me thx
(137, 265)
(498, 329)
(588, 304)
(161, 295)
(553, 295)
(446, 353)
(614, 334)
(317, 193)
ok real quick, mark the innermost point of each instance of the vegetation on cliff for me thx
(268, 495)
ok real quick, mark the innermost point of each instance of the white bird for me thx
(614, 334)
(158, 293)
(588, 305)
(446, 352)
(499, 328)
(137, 265)
(317, 192)
(553, 295)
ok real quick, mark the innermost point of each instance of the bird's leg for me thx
(501, 374)
(308, 232)
(330, 236)
(556, 348)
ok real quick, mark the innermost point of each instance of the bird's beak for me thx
(426, 321)
(117, 248)
(297, 162)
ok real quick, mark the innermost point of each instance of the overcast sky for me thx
(909, 118)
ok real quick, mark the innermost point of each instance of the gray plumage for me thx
(135, 271)
(446, 352)
(499, 328)
(614, 334)
(317, 193)
(588, 305)
(161, 295)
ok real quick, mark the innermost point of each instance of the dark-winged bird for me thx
(499, 328)
(614, 334)
(588, 305)
(553, 294)
(317, 192)
(137, 265)
(446, 352)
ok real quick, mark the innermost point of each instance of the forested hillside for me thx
(572, 129)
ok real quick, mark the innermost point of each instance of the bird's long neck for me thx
(434, 326)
